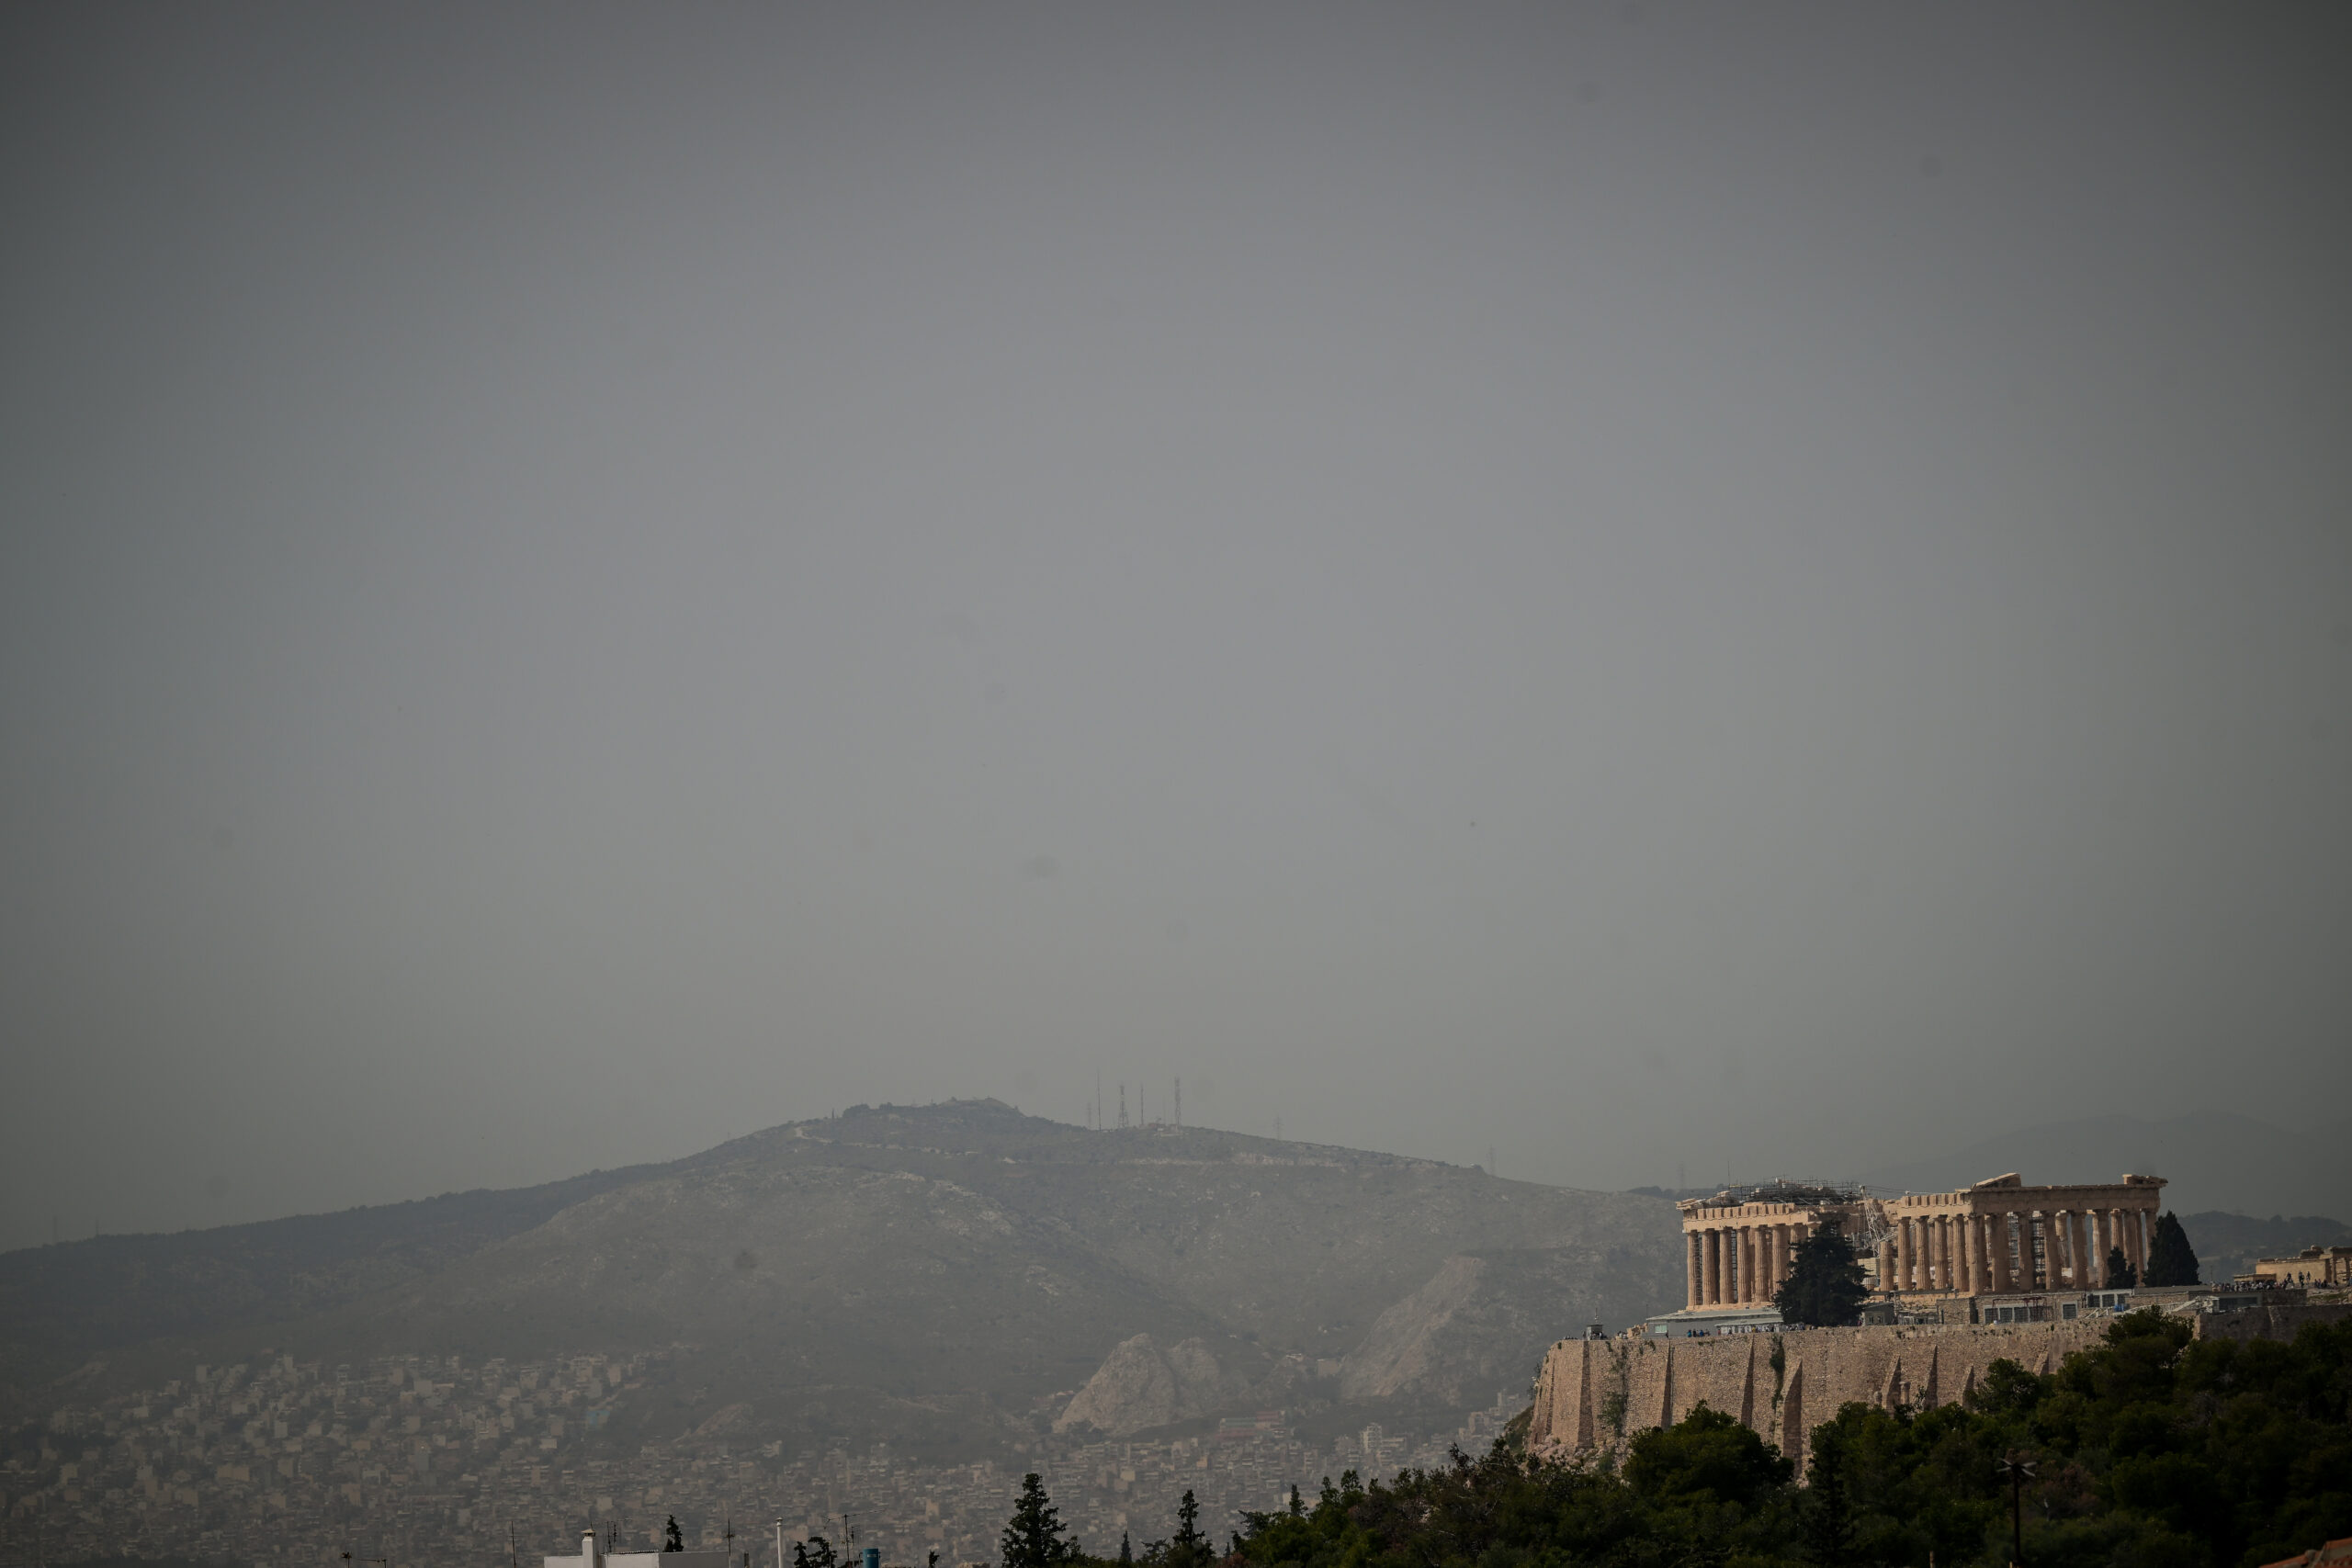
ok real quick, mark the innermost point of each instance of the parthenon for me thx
(1995, 1237)
(2001, 1236)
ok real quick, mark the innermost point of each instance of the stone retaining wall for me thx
(1657, 1381)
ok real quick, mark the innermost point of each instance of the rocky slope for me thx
(951, 1276)
(1141, 1386)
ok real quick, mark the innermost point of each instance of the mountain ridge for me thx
(830, 1276)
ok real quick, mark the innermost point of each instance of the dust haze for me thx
(1642, 594)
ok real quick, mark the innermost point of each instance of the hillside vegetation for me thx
(2149, 1450)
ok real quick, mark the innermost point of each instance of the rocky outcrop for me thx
(1475, 1325)
(1140, 1385)
(1405, 1348)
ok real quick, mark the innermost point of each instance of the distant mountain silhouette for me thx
(2227, 1245)
(932, 1275)
(2214, 1161)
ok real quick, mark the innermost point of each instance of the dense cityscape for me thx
(412, 1459)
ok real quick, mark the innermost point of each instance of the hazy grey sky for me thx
(1757, 587)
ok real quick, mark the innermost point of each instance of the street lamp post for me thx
(2019, 1468)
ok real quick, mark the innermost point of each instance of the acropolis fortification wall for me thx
(1656, 1380)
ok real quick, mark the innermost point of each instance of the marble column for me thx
(1971, 1231)
(2135, 1238)
(1692, 1280)
(1903, 1253)
(1886, 1263)
(1709, 1266)
(1940, 1252)
(1751, 1268)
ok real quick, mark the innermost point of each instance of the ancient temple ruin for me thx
(1997, 1238)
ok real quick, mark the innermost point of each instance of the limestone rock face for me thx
(1139, 1386)
(1471, 1328)
(1405, 1347)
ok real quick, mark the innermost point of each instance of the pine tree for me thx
(1034, 1537)
(2171, 1260)
(1824, 1289)
(673, 1539)
(2119, 1271)
(1127, 1548)
(1189, 1548)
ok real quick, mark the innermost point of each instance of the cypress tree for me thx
(2119, 1271)
(1824, 1289)
(2171, 1260)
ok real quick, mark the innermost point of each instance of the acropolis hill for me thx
(1995, 1271)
